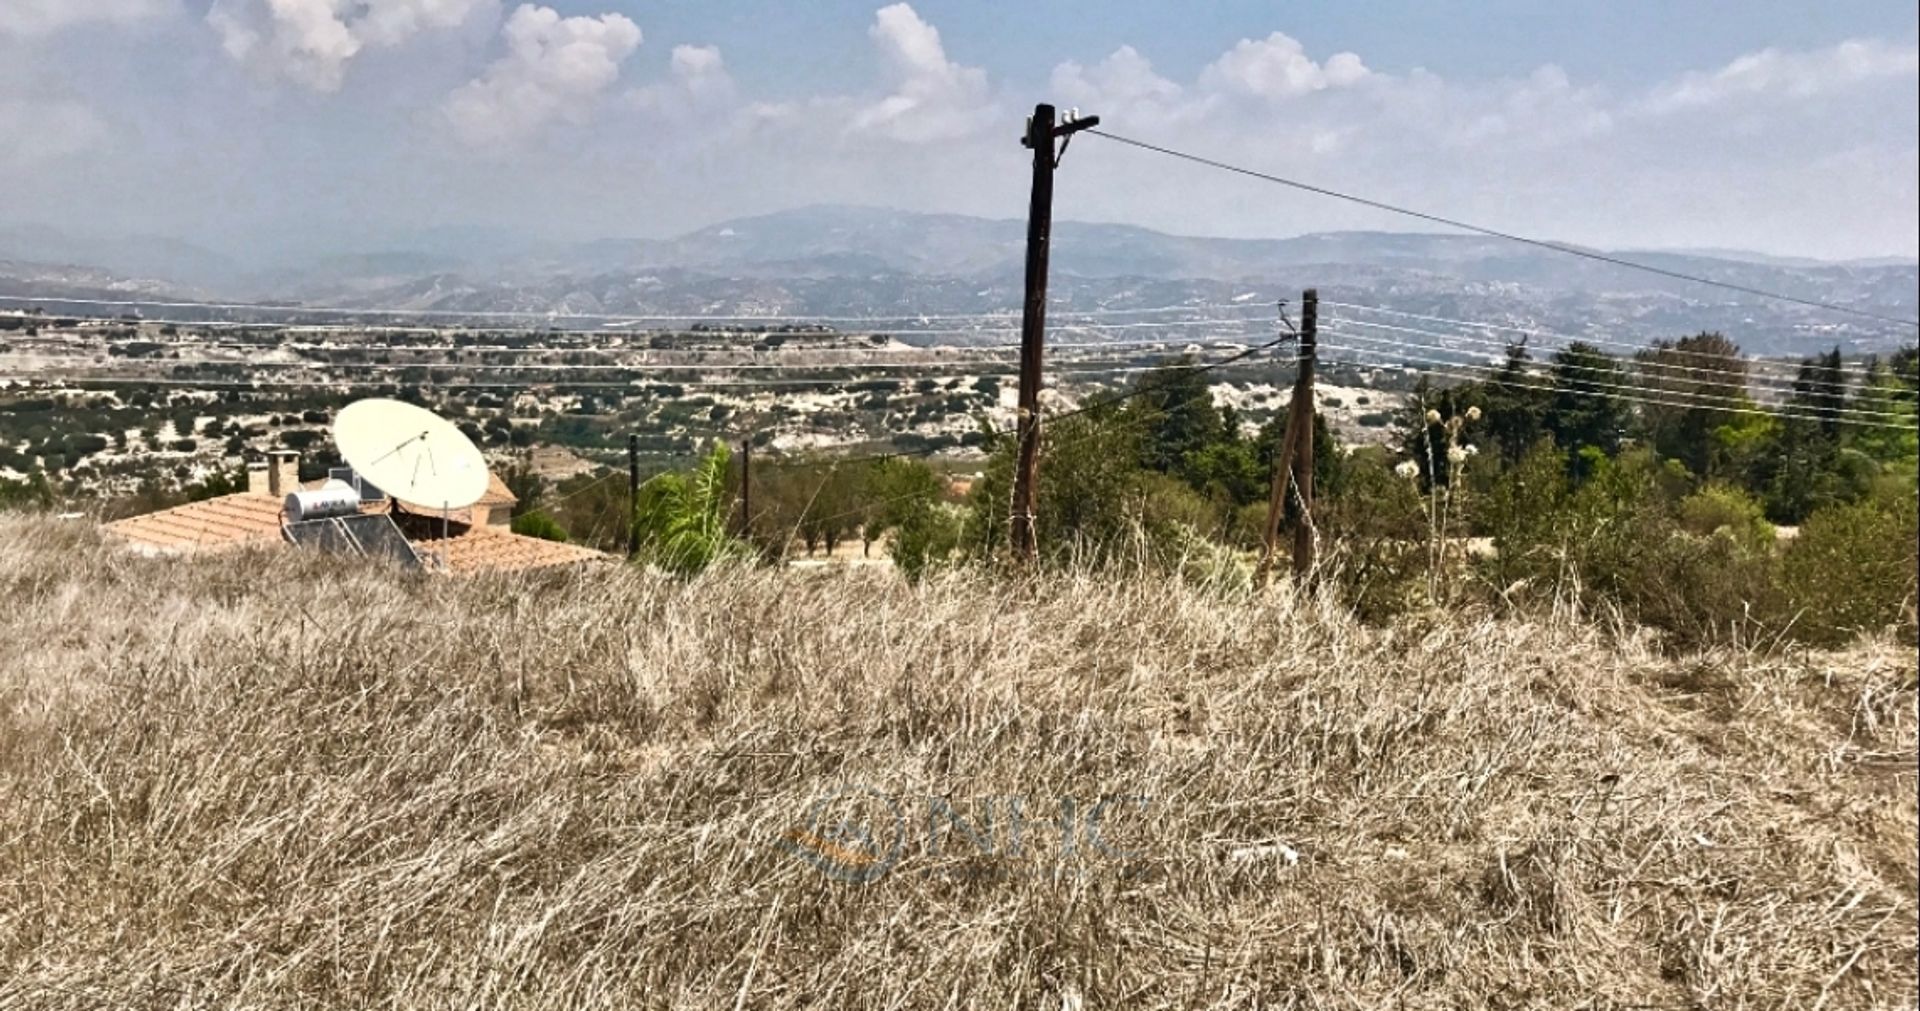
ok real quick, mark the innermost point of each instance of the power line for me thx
(1710, 400)
(747, 319)
(939, 349)
(577, 492)
(1193, 323)
(1619, 371)
(1484, 373)
(1009, 315)
(1654, 369)
(1196, 370)
(1509, 236)
(1540, 332)
(428, 378)
(967, 368)
(1196, 367)
(343, 383)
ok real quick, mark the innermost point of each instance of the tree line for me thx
(1654, 483)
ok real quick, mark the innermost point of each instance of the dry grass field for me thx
(256, 781)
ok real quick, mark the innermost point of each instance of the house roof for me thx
(497, 492)
(491, 549)
(233, 521)
(228, 521)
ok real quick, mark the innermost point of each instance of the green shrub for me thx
(1702, 589)
(534, 523)
(1628, 535)
(1520, 513)
(925, 536)
(1852, 568)
(1720, 510)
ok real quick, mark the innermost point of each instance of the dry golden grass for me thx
(254, 781)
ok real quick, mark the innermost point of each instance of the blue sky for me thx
(300, 126)
(1622, 42)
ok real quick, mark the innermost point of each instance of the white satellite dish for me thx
(411, 453)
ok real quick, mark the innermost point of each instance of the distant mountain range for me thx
(837, 260)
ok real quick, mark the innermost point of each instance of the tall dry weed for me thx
(259, 780)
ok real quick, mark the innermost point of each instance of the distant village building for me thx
(468, 540)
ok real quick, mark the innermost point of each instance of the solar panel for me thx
(378, 537)
(362, 536)
(322, 535)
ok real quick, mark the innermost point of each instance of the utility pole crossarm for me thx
(1062, 132)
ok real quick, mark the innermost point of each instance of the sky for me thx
(302, 127)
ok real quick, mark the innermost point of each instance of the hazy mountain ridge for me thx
(22, 279)
(834, 260)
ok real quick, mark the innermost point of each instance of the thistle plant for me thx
(1440, 495)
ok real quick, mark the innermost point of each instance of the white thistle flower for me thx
(1456, 455)
(1473, 414)
(1407, 469)
(1471, 450)
(1433, 417)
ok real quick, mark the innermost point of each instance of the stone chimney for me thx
(283, 472)
(257, 477)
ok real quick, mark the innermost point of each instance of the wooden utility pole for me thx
(633, 494)
(1041, 134)
(746, 488)
(1277, 495)
(1303, 540)
(1293, 458)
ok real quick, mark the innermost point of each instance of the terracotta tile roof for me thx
(497, 492)
(225, 522)
(232, 521)
(491, 549)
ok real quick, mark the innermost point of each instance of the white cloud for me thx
(1277, 68)
(1789, 74)
(310, 42)
(391, 22)
(700, 72)
(913, 125)
(697, 63)
(1124, 77)
(40, 131)
(1544, 109)
(1327, 103)
(555, 68)
(933, 98)
(41, 17)
(695, 104)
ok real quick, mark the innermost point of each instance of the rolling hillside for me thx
(259, 781)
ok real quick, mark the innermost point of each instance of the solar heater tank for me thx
(335, 498)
